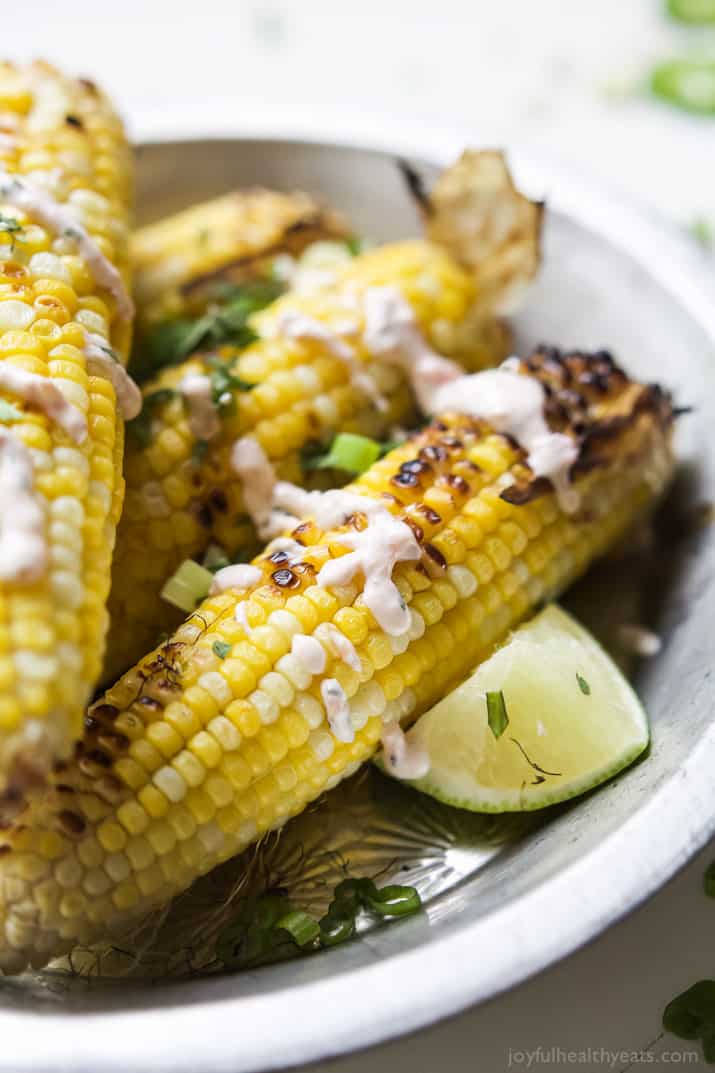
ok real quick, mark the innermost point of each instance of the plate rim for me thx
(204, 1034)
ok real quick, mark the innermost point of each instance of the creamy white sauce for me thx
(241, 617)
(393, 335)
(275, 505)
(376, 550)
(340, 645)
(204, 420)
(309, 652)
(337, 709)
(63, 221)
(514, 405)
(101, 362)
(295, 325)
(402, 758)
(238, 576)
(42, 394)
(639, 640)
(249, 461)
(23, 545)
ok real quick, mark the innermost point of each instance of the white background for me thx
(561, 75)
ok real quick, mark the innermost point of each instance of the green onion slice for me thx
(351, 453)
(687, 84)
(693, 11)
(187, 586)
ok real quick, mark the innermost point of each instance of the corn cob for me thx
(64, 202)
(176, 505)
(220, 735)
(178, 260)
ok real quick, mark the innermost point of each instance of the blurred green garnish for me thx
(686, 84)
(696, 12)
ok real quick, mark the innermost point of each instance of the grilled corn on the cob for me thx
(233, 726)
(317, 372)
(65, 321)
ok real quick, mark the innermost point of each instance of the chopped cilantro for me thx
(12, 227)
(9, 412)
(497, 715)
(221, 648)
(691, 1015)
(140, 427)
(226, 322)
(224, 382)
(354, 245)
(583, 685)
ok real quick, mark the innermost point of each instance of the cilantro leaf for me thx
(691, 1015)
(225, 322)
(583, 685)
(224, 382)
(221, 648)
(8, 224)
(497, 715)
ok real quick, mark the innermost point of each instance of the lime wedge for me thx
(546, 718)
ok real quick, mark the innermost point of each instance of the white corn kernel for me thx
(170, 782)
(278, 687)
(463, 580)
(294, 671)
(15, 315)
(265, 705)
(310, 709)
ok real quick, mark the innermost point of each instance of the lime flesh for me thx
(573, 722)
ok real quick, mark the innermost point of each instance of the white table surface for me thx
(534, 72)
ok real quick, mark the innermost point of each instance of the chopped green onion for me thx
(687, 84)
(187, 586)
(497, 716)
(336, 929)
(221, 649)
(270, 928)
(9, 412)
(395, 901)
(583, 685)
(302, 928)
(349, 452)
(354, 245)
(693, 11)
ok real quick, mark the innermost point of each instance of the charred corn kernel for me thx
(259, 758)
(55, 612)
